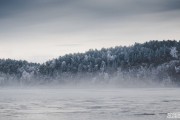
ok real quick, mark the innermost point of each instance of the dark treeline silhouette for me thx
(151, 61)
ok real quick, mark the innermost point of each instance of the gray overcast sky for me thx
(39, 30)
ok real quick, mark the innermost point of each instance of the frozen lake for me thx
(88, 104)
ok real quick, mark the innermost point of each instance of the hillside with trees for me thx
(153, 61)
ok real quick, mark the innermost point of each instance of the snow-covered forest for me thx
(153, 61)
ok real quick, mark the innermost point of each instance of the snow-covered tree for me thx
(174, 52)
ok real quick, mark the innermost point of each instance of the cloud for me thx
(83, 24)
(68, 45)
(82, 8)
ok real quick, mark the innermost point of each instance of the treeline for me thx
(154, 61)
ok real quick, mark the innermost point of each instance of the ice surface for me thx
(88, 104)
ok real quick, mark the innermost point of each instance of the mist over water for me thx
(111, 83)
(95, 81)
(88, 104)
